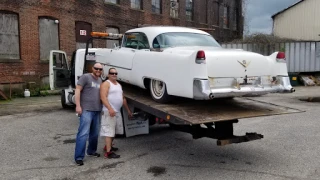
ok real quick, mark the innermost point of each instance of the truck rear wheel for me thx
(158, 91)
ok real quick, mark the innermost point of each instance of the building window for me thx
(189, 10)
(216, 11)
(9, 36)
(204, 13)
(235, 19)
(110, 42)
(136, 4)
(226, 17)
(112, 1)
(156, 6)
(48, 36)
(174, 8)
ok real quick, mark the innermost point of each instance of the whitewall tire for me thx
(158, 91)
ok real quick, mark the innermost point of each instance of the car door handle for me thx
(133, 50)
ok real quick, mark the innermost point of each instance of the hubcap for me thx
(158, 88)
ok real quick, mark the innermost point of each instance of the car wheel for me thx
(159, 91)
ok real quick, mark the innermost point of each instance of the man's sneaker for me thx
(111, 155)
(94, 155)
(112, 148)
(79, 162)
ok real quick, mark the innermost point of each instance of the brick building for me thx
(30, 29)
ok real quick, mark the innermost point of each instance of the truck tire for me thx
(63, 100)
(158, 91)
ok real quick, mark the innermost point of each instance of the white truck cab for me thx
(61, 76)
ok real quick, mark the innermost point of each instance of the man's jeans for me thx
(89, 126)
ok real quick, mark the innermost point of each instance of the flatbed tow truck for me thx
(213, 119)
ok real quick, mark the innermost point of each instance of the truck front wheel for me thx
(63, 100)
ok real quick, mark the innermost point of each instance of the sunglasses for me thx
(100, 69)
(113, 73)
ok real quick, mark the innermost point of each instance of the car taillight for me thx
(281, 57)
(201, 57)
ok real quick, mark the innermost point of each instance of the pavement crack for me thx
(95, 170)
(186, 166)
(138, 156)
(71, 134)
(38, 168)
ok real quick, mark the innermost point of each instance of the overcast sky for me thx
(258, 14)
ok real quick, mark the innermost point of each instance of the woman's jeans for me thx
(89, 127)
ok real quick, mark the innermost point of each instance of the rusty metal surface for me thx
(198, 112)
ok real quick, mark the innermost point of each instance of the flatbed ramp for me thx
(188, 111)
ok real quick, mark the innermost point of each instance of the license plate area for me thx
(247, 80)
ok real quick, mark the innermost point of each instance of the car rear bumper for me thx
(203, 91)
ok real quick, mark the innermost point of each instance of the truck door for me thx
(59, 74)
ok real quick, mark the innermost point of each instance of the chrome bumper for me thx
(203, 91)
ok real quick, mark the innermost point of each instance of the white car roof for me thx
(153, 31)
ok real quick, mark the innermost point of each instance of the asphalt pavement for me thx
(37, 141)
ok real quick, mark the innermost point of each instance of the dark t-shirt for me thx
(90, 94)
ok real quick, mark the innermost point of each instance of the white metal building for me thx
(301, 21)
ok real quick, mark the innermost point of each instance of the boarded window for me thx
(156, 6)
(235, 19)
(83, 30)
(49, 37)
(111, 43)
(111, 1)
(203, 13)
(9, 36)
(136, 4)
(226, 17)
(189, 10)
(174, 8)
(215, 13)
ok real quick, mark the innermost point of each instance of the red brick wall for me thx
(100, 15)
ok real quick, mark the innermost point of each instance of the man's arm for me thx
(125, 104)
(77, 96)
(104, 90)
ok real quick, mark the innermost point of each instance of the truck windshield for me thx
(174, 39)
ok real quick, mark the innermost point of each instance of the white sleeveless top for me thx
(115, 97)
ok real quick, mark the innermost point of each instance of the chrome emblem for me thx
(244, 63)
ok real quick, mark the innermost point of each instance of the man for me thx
(112, 98)
(88, 107)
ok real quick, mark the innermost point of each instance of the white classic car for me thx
(187, 62)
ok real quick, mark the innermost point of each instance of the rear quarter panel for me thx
(278, 68)
(176, 68)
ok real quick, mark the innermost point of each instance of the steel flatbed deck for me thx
(187, 111)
